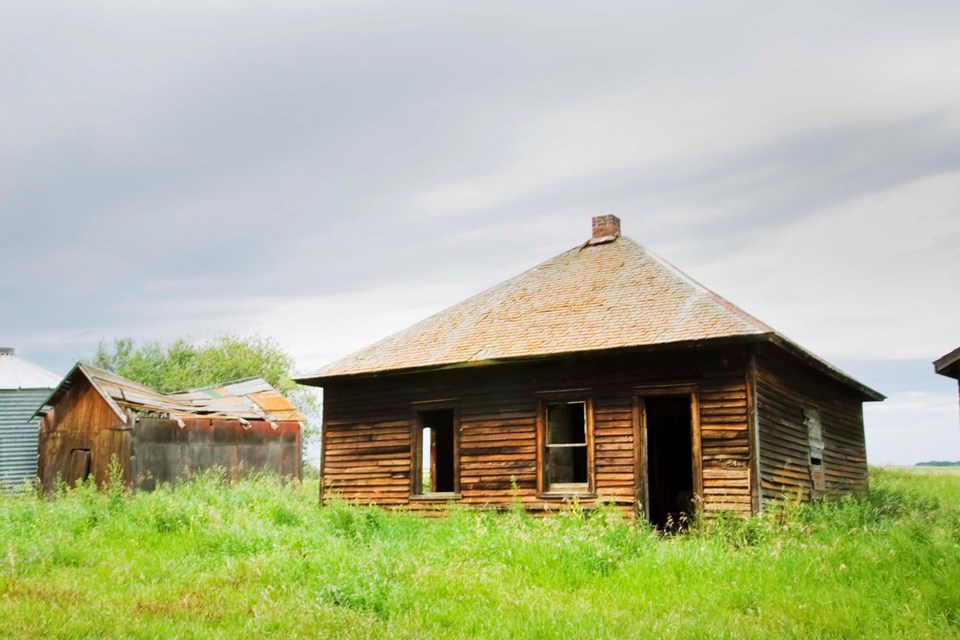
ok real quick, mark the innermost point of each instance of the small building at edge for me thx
(949, 365)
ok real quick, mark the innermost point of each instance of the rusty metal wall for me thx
(164, 451)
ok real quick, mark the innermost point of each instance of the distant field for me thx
(923, 469)
(261, 560)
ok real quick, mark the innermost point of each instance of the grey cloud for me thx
(158, 156)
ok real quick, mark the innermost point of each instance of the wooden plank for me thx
(367, 440)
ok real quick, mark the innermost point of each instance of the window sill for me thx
(565, 495)
(435, 497)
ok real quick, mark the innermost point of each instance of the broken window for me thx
(566, 450)
(435, 453)
(811, 418)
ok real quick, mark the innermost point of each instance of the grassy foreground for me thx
(260, 559)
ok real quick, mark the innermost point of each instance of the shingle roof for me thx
(611, 295)
(252, 399)
(603, 296)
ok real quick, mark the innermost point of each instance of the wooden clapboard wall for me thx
(368, 432)
(785, 389)
(82, 422)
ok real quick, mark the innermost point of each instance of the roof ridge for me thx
(726, 304)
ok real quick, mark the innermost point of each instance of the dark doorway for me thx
(78, 467)
(438, 450)
(669, 438)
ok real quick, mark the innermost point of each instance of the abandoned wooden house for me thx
(23, 388)
(95, 416)
(603, 374)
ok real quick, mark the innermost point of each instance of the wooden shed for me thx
(95, 416)
(604, 374)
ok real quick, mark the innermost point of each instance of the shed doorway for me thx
(669, 450)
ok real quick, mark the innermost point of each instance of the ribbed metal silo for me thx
(23, 388)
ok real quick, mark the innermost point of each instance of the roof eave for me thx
(771, 337)
(869, 395)
(948, 365)
(60, 391)
(318, 381)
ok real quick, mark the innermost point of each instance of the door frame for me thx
(641, 484)
(418, 408)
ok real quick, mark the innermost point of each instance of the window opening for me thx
(566, 446)
(811, 418)
(436, 444)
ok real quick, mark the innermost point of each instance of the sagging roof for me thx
(949, 365)
(17, 373)
(608, 293)
(252, 399)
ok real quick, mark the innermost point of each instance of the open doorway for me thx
(669, 473)
(78, 467)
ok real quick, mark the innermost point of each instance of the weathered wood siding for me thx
(82, 420)
(785, 387)
(368, 432)
(725, 439)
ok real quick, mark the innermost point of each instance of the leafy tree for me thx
(181, 365)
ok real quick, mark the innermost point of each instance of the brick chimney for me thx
(605, 229)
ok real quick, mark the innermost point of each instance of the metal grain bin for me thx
(23, 389)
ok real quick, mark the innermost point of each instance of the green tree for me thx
(181, 365)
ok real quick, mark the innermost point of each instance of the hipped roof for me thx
(251, 399)
(594, 297)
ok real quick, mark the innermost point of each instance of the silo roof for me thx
(17, 373)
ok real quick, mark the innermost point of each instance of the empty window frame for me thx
(566, 453)
(435, 455)
(811, 418)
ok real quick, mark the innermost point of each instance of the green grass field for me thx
(260, 559)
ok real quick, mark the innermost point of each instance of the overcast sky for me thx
(327, 173)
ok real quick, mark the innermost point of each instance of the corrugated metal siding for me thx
(19, 435)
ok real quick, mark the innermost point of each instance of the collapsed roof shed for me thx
(603, 374)
(95, 416)
(23, 388)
